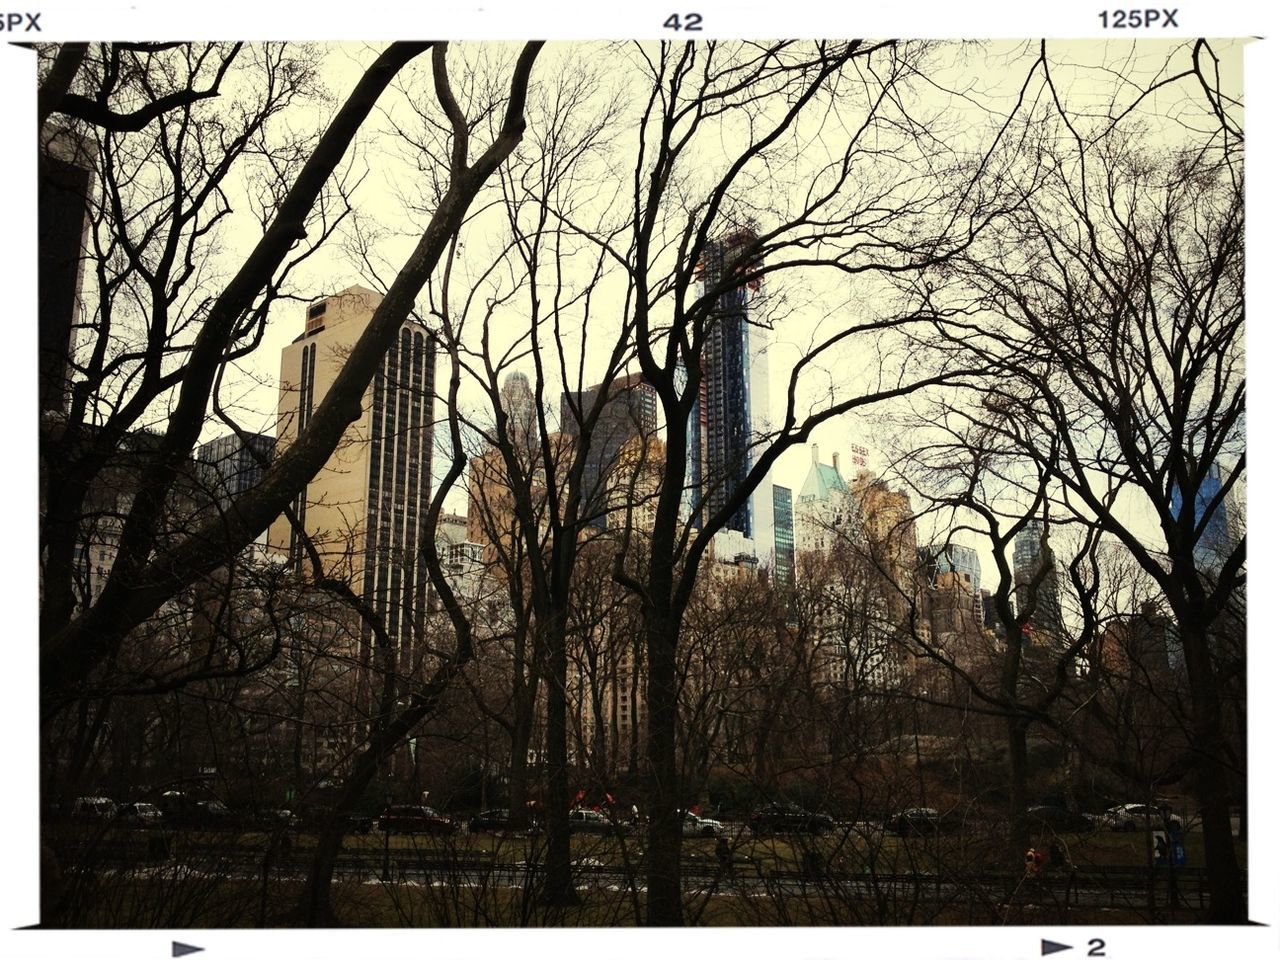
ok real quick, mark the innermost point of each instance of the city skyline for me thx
(818, 294)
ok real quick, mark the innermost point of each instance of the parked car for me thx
(359, 822)
(1138, 816)
(276, 819)
(693, 825)
(1059, 819)
(96, 809)
(498, 820)
(788, 818)
(915, 822)
(183, 810)
(315, 818)
(177, 807)
(138, 814)
(409, 818)
(590, 821)
(213, 814)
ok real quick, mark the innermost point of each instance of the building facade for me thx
(366, 508)
(66, 184)
(962, 564)
(234, 466)
(629, 411)
(731, 414)
(784, 537)
(521, 409)
(823, 507)
(1210, 519)
(1033, 561)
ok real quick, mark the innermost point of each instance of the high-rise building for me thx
(630, 411)
(633, 485)
(108, 501)
(957, 559)
(889, 527)
(65, 185)
(462, 560)
(990, 618)
(858, 543)
(784, 537)
(1033, 558)
(954, 557)
(232, 466)
(1215, 541)
(519, 405)
(732, 411)
(824, 508)
(1141, 646)
(493, 518)
(366, 508)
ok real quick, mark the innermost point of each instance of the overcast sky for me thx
(967, 91)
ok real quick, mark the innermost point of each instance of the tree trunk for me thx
(662, 858)
(1212, 790)
(315, 908)
(518, 770)
(1019, 829)
(559, 891)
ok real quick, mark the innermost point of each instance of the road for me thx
(1086, 887)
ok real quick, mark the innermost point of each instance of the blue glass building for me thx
(1214, 541)
(722, 419)
(1033, 558)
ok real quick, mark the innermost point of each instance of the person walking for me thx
(724, 855)
(1034, 863)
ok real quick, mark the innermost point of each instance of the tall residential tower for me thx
(732, 412)
(1033, 560)
(366, 509)
(629, 412)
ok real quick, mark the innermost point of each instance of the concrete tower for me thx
(365, 510)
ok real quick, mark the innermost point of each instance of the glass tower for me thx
(784, 537)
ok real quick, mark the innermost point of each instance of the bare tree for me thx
(1110, 308)
(972, 472)
(161, 197)
(147, 251)
(847, 213)
(529, 491)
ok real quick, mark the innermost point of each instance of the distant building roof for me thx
(823, 480)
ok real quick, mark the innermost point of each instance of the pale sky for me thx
(968, 87)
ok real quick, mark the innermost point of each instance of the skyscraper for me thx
(365, 509)
(824, 510)
(63, 200)
(784, 536)
(732, 411)
(232, 466)
(889, 527)
(959, 563)
(521, 409)
(1215, 540)
(957, 558)
(1031, 560)
(630, 411)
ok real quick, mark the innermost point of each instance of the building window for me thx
(315, 317)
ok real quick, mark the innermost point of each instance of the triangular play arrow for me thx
(182, 949)
(1048, 946)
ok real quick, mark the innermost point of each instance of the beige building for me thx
(365, 510)
(890, 529)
